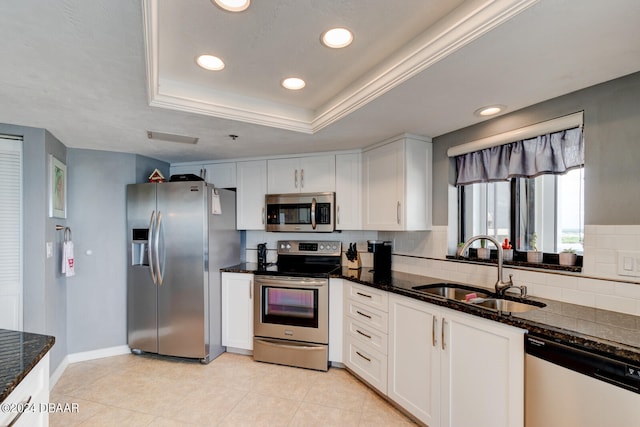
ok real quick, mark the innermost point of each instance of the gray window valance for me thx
(553, 153)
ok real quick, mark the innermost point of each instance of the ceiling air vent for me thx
(171, 137)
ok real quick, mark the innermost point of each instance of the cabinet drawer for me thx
(372, 337)
(34, 389)
(369, 364)
(372, 297)
(368, 316)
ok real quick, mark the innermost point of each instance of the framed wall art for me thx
(57, 188)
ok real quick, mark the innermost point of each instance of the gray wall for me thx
(86, 311)
(612, 148)
(44, 289)
(96, 296)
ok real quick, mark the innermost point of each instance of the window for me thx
(529, 191)
(551, 207)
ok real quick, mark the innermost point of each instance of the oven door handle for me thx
(279, 344)
(313, 213)
(287, 281)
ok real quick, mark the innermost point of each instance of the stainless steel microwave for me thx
(301, 212)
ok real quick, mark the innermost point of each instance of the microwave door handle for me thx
(150, 247)
(313, 213)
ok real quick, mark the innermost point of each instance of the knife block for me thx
(355, 264)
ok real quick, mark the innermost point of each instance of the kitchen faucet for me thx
(500, 286)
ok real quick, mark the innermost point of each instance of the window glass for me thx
(546, 212)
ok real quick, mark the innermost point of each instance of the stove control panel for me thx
(309, 247)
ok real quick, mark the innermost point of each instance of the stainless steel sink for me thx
(451, 291)
(507, 306)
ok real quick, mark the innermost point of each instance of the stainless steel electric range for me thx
(291, 308)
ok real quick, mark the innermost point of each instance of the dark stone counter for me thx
(19, 353)
(608, 333)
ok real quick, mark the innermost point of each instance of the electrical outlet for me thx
(629, 263)
(49, 246)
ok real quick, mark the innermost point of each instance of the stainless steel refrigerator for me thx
(179, 236)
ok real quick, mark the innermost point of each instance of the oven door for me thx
(292, 308)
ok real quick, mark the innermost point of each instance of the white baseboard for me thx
(98, 354)
(83, 357)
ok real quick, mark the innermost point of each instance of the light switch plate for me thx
(629, 263)
(49, 246)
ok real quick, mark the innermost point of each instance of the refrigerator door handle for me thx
(150, 248)
(156, 242)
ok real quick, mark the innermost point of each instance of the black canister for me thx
(262, 254)
(381, 259)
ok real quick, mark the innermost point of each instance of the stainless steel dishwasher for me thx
(567, 386)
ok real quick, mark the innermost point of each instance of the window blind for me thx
(11, 233)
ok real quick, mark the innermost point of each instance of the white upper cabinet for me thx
(251, 182)
(349, 191)
(180, 169)
(302, 174)
(222, 175)
(396, 179)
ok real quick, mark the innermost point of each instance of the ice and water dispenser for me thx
(140, 246)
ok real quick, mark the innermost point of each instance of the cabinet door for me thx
(383, 182)
(251, 182)
(317, 174)
(237, 310)
(184, 169)
(283, 176)
(302, 174)
(482, 372)
(349, 191)
(222, 175)
(336, 311)
(414, 358)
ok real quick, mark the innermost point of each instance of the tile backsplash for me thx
(599, 284)
(424, 253)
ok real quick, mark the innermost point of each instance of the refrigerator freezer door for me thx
(141, 290)
(182, 253)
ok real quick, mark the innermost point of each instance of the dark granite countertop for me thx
(19, 353)
(608, 333)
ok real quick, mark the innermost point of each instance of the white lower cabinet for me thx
(336, 341)
(365, 333)
(237, 311)
(452, 369)
(414, 358)
(34, 391)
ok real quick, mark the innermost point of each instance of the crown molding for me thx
(465, 24)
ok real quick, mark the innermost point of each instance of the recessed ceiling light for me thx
(489, 110)
(293, 83)
(337, 38)
(232, 5)
(210, 62)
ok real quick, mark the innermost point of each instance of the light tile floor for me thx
(232, 390)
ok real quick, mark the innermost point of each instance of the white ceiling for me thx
(88, 70)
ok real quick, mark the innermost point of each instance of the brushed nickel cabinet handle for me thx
(295, 178)
(398, 213)
(434, 325)
(364, 357)
(22, 408)
(444, 322)
(363, 334)
(362, 314)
